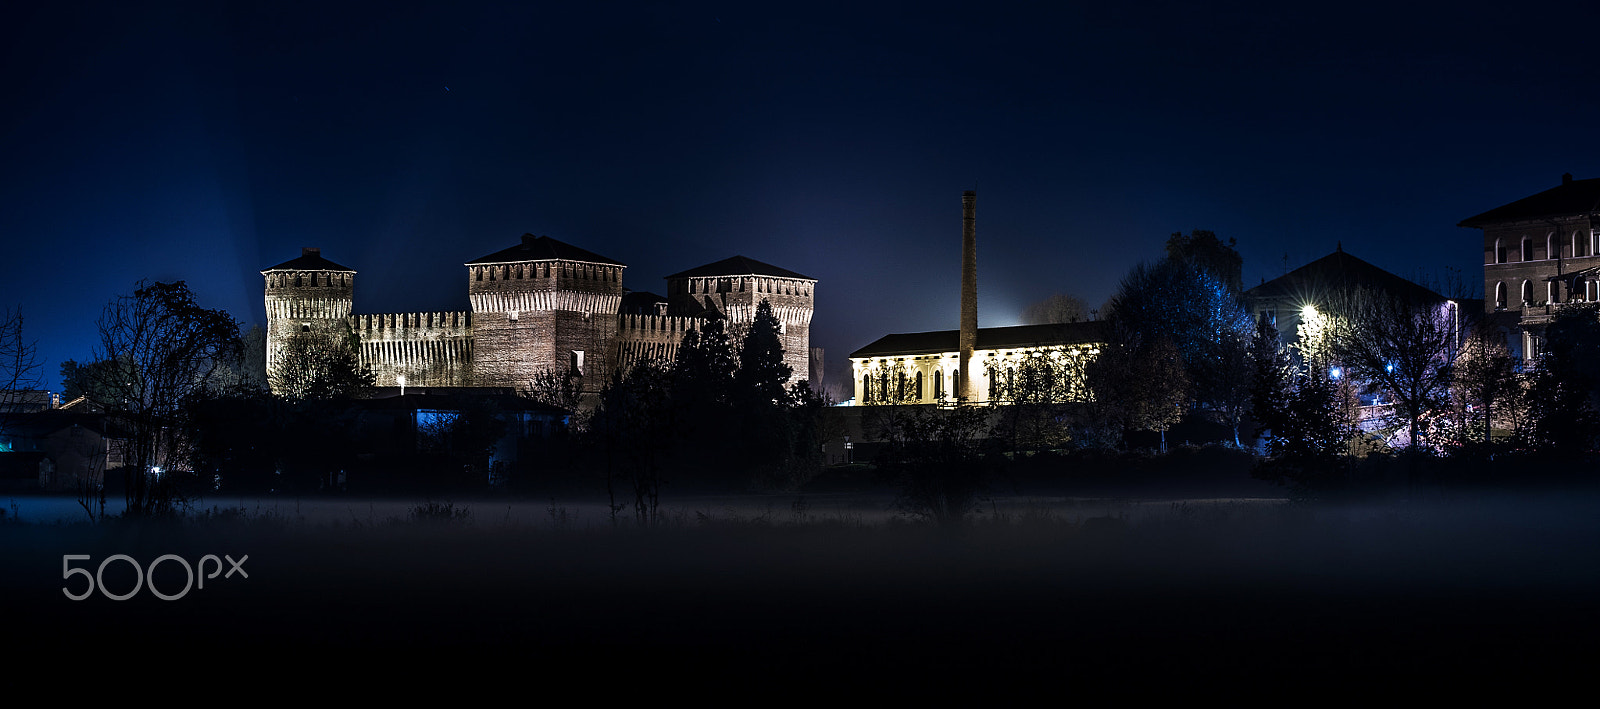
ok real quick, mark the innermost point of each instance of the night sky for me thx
(205, 142)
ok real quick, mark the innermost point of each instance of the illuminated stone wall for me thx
(545, 315)
(428, 349)
(528, 317)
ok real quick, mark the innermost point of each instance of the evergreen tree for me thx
(703, 372)
(1565, 391)
(1202, 250)
(1269, 378)
(762, 374)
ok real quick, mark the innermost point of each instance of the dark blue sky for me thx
(204, 142)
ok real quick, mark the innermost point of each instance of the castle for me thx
(539, 306)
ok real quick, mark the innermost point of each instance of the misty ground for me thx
(1458, 586)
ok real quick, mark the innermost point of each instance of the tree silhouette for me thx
(1403, 350)
(166, 351)
(1058, 308)
(317, 366)
(762, 375)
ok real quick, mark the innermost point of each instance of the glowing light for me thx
(1308, 312)
(1335, 372)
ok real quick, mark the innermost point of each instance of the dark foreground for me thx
(1448, 595)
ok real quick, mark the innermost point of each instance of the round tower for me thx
(307, 294)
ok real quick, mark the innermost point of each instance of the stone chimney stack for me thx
(969, 291)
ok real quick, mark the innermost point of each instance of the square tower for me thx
(543, 305)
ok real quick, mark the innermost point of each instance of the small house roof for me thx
(1339, 272)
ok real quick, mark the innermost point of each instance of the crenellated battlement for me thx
(527, 302)
(652, 337)
(538, 306)
(307, 308)
(658, 325)
(445, 323)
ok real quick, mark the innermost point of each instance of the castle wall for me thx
(428, 349)
(646, 337)
(527, 318)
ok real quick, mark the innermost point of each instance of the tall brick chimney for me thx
(969, 290)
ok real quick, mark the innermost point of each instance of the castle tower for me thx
(307, 294)
(543, 305)
(969, 291)
(731, 289)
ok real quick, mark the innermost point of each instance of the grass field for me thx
(1252, 590)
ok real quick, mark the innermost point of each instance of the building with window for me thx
(972, 365)
(1301, 297)
(925, 367)
(539, 306)
(1540, 253)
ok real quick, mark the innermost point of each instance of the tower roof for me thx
(989, 338)
(740, 266)
(543, 248)
(1339, 272)
(1571, 197)
(310, 260)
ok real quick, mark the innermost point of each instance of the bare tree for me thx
(19, 367)
(166, 351)
(1139, 384)
(1058, 308)
(561, 389)
(1034, 392)
(1403, 350)
(317, 366)
(1486, 386)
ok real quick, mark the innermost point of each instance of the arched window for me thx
(1527, 292)
(866, 387)
(1552, 250)
(918, 390)
(938, 383)
(1527, 249)
(1580, 245)
(1500, 295)
(1499, 251)
(1551, 292)
(955, 382)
